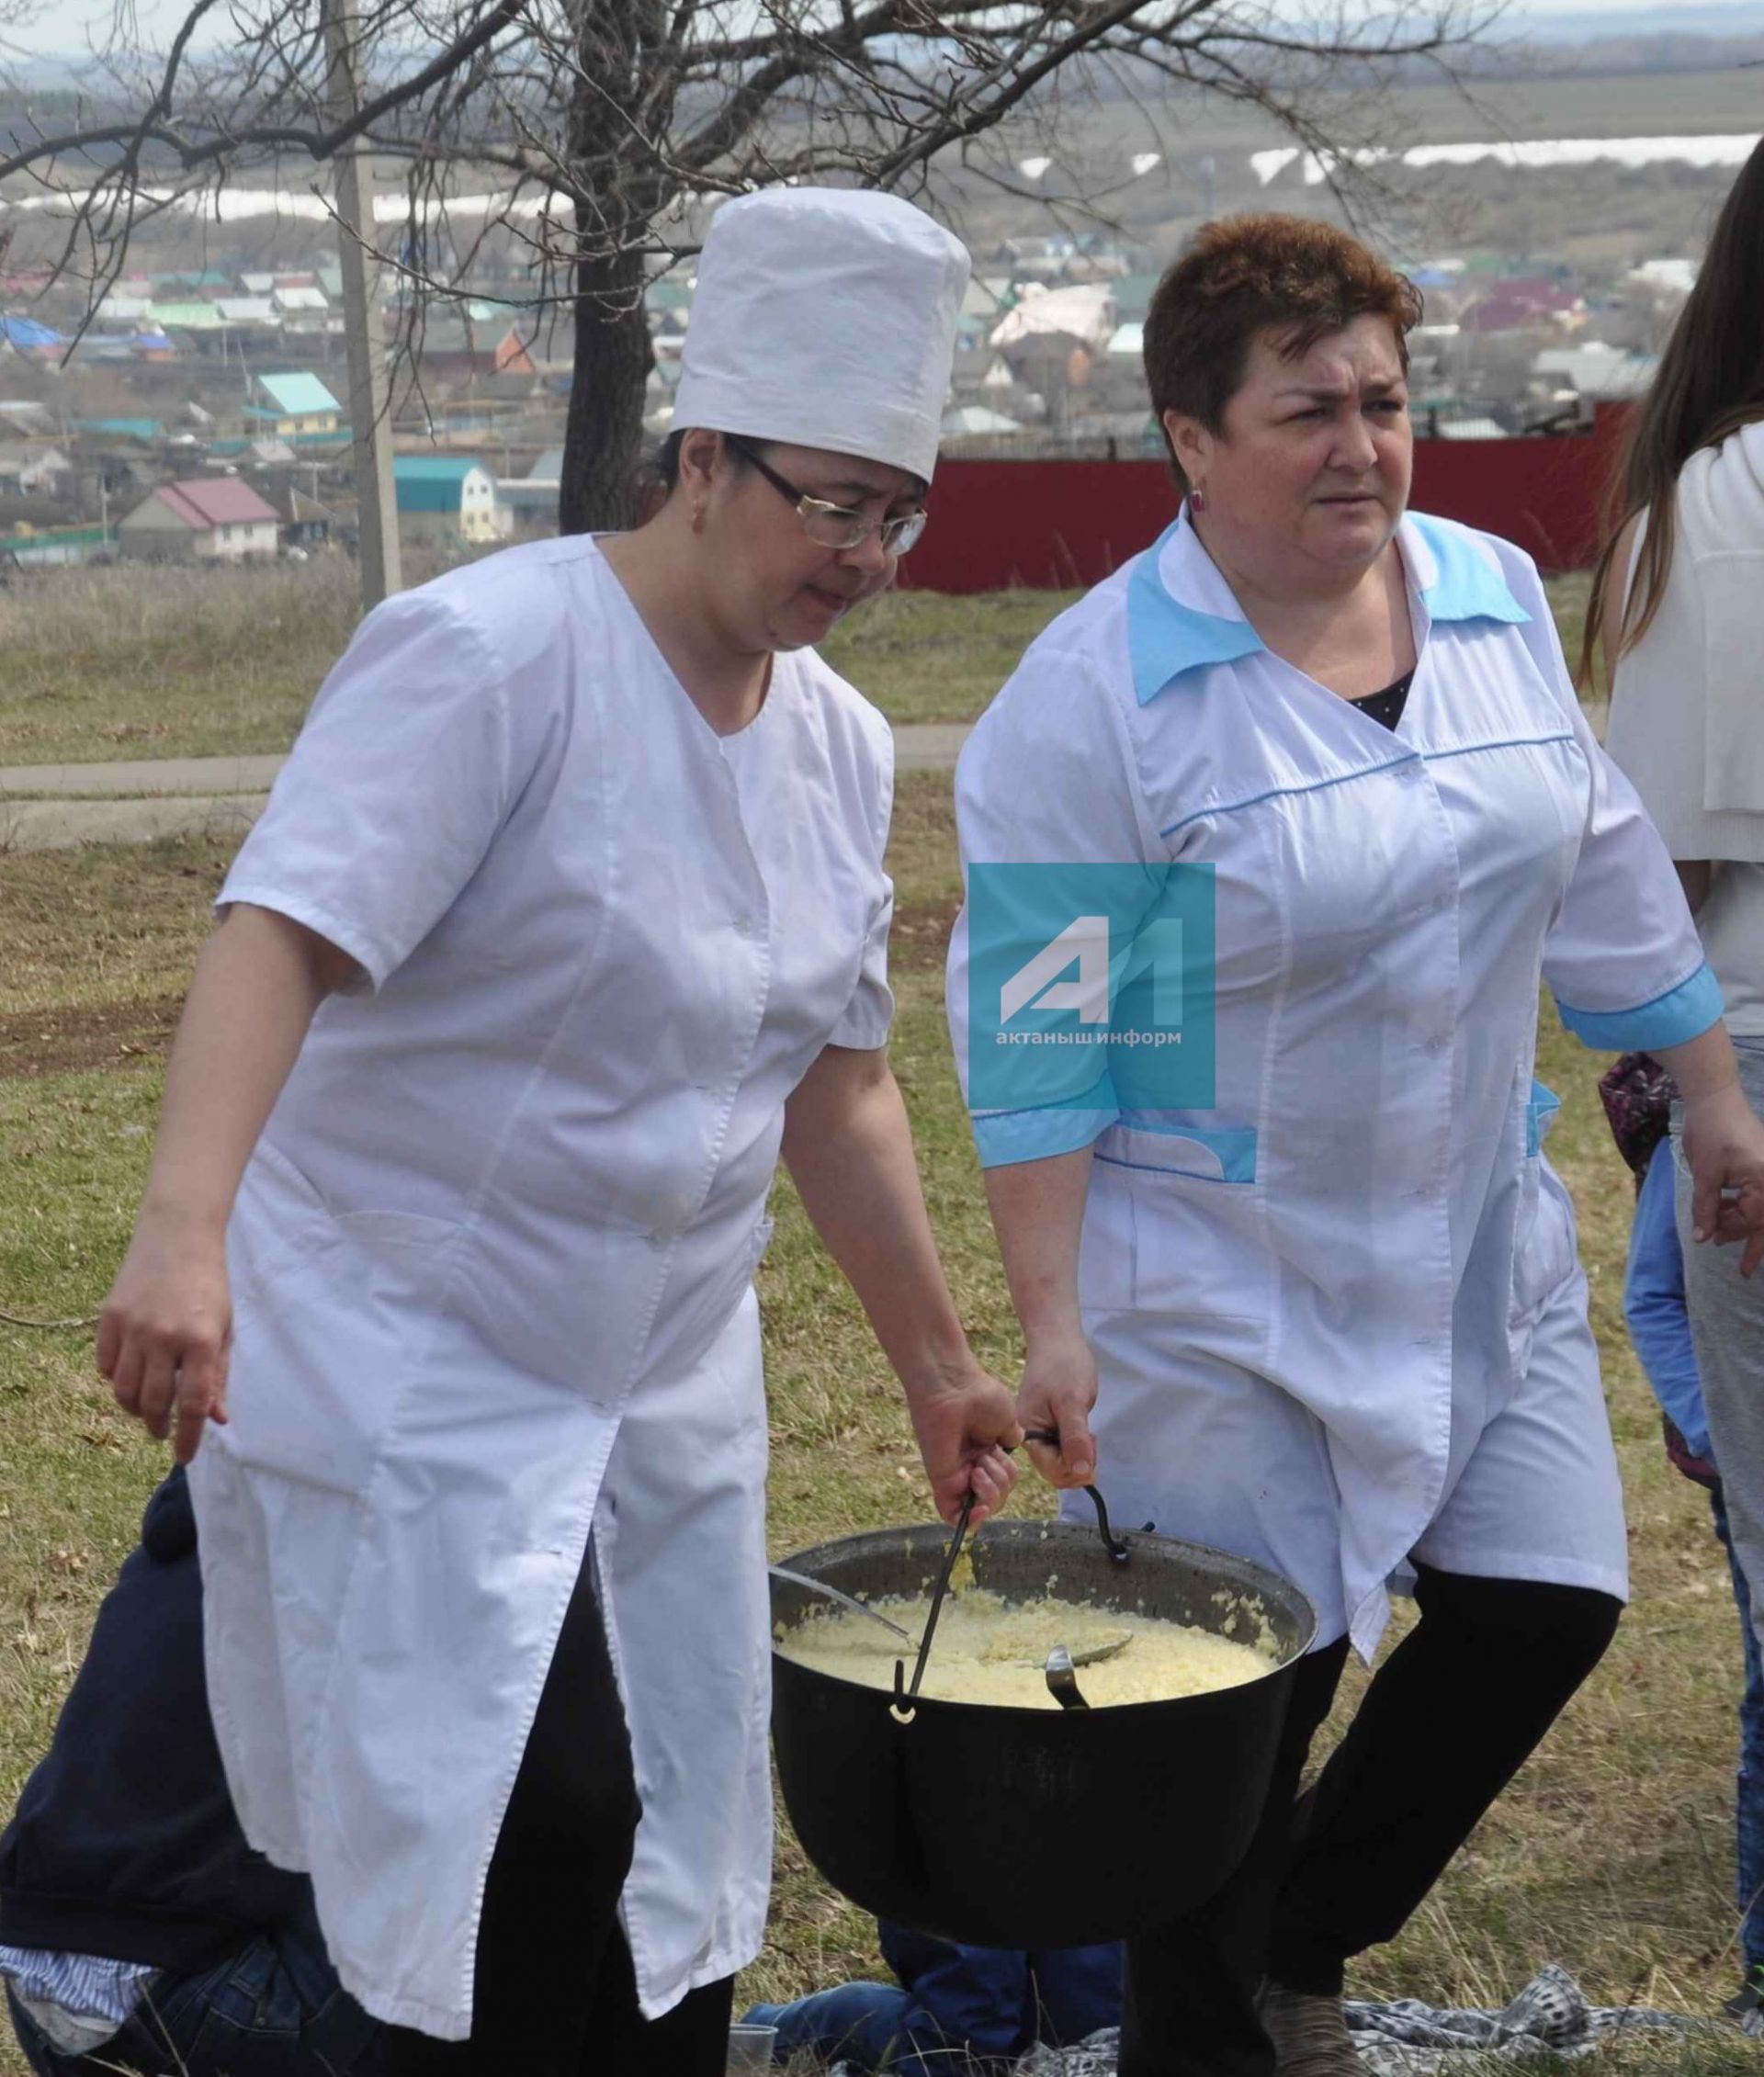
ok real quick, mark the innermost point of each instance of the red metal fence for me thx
(1062, 524)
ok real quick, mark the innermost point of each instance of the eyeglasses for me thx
(836, 527)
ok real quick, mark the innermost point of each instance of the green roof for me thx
(299, 395)
(432, 482)
(186, 317)
(126, 428)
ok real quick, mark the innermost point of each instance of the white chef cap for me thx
(824, 317)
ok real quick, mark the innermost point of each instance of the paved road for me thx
(137, 801)
(64, 825)
(145, 778)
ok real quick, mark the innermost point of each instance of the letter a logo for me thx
(1083, 942)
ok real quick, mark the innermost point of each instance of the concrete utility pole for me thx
(370, 416)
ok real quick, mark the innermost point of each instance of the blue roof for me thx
(130, 428)
(298, 395)
(26, 333)
(430, 483)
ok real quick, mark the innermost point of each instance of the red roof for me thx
(215, 501)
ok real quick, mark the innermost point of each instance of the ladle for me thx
(1109, 1647)
(844, 1600)
(937, 1594)
(1111, 1543)
(1062, 1682)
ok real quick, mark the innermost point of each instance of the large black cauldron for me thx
(1032, 1828)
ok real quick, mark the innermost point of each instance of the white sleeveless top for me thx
(1687, 711)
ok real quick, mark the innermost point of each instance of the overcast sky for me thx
(68, 27)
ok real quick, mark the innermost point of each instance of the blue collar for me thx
(1170, 635)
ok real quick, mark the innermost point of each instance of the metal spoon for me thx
(844, 1600)
(1104, 1648)
(1062, 1682)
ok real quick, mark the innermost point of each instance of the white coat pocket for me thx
(1544, 1235)
(1193, 1230)
(330, 1311)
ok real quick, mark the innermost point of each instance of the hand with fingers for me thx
(166, 1329)
(1724, 1146)
(1058, 1392)
(964, 1426)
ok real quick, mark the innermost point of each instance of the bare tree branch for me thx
(605, 129)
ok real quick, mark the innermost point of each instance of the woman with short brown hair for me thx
(1307, 1265)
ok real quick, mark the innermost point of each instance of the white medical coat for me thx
(1337, 1315)
(491, 1258)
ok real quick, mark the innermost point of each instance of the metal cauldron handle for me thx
(1114, 1545)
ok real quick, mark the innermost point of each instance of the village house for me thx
(27, 468)
(532, 499)
(30, 340)
(302, 305)
(447, 498)
(25, 418)
(305, 524)
(294, 404)
(207, 519)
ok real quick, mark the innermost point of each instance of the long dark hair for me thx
(1710, 382)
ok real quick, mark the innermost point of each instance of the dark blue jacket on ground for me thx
(954, 2006)
(125, 1843)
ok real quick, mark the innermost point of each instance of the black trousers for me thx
(1449, 1718)
(553, 1990)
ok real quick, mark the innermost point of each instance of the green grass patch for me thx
(126, 664)
(924, 657)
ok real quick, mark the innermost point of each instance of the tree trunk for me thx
(602, 439)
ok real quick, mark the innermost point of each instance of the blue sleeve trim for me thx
(1225, 1154)
(1683, 1013)
(1004, 1137)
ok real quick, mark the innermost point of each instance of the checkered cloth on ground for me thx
(1406, 2038)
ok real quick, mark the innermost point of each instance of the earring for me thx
(1197, 499)
(697, 519)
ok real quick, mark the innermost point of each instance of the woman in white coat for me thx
(567, 914)
(1678, 601)
(1321, 1294)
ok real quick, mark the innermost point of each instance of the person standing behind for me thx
(1675, 606)
(1637, 1097)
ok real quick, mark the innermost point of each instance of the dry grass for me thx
(130, 662)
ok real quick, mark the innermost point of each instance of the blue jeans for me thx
(275, 2009)
(875, 2026)
(1749, 1796)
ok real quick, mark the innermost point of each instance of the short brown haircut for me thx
(1291, 277)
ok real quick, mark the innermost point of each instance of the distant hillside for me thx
(1684, 17)
(1676, 47)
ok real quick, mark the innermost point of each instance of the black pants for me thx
(553, 1993)
(1448, 1720)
